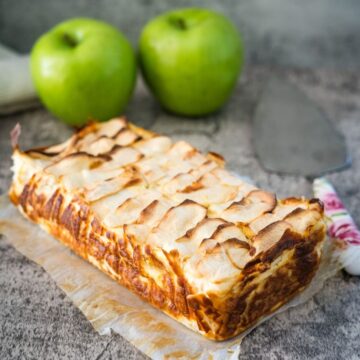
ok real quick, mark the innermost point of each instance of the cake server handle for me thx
(341, 225)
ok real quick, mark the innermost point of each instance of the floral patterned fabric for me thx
(341, 226)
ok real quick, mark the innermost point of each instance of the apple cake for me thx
(171, 224)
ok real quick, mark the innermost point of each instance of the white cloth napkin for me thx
(17, 91)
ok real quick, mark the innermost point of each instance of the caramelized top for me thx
(154, 191)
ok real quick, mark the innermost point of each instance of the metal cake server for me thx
(293, 136)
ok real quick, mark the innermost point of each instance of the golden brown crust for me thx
(171, 225)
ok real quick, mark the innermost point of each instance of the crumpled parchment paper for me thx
(111, 307)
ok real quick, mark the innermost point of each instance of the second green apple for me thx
(191, 59)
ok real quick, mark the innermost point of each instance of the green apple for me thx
(191, 58)
(83, 69)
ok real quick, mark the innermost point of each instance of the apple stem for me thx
(179, 23)
(70, 40)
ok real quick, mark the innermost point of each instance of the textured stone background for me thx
(37, 321)
(285, 32)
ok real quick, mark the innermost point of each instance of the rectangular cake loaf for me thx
(171, 224)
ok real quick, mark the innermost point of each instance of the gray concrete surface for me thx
(283, 32)
(37, 321)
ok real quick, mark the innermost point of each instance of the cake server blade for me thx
(293, 136)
